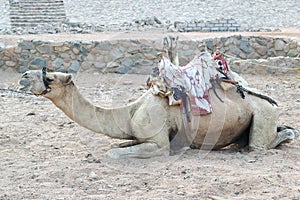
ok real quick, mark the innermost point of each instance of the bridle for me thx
(45, 81)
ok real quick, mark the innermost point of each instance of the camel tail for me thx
(269, 99)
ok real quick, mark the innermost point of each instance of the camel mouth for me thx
(296, 133)
(25, 84)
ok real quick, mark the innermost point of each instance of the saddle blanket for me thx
(194, 79)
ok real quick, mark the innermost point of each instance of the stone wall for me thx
(266, 66)
(133, 55)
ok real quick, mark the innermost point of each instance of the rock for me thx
(57, 63)
(105, 46)
(80, 58)
(279, 45)
(90, 57)
(10, 63)
(38, 63)
(63, 48)
(210, 45)
(99, 65)
(280, 53)
(293, 53)
(261, 50)
(87, 65)
(83, 50)
(113, 64)
(74, 67)
(116, 54)
(234, 50)
(253, 55)
(75, 50)
(261, 41)
(245, 46)
(293, 44)
(23, 69)
(25, 45)
(128, 62)
(62, 69)
(17, 50)
(144, 48)
(123, 70)
(44, 48)
(271, 52)
(93, 176)
(146, 62)
(76, 44)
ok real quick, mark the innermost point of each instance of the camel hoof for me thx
(285, 135)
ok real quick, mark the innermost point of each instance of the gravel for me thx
(84, 16)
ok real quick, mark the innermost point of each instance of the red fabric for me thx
(218, 57)
(194, 78)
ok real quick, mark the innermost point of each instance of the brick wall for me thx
(212, 26)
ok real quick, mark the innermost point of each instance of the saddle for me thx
(187, 86)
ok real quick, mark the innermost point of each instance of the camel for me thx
(170, 46)
(150, 127)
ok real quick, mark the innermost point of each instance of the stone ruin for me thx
(32, 13)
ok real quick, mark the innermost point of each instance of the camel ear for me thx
(68, 79)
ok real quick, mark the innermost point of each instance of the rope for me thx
(268, 66)
(18, 92)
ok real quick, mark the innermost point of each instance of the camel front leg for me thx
(124, 144)
(143, 150)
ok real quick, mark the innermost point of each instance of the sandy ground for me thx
(44, 155)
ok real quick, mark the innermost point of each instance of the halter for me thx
(45, 81)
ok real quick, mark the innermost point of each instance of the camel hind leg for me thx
(263, 130)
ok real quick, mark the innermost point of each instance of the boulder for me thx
(279, 45)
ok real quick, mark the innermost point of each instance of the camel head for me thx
(171, 49)
(48, 84)
(170, 42)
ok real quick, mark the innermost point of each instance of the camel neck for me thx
(114, 122)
